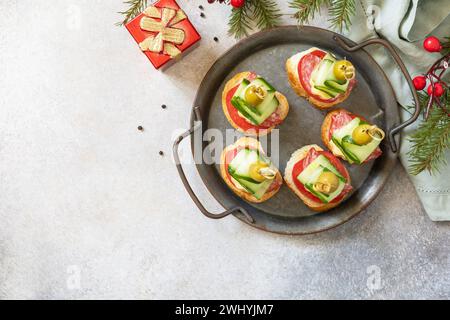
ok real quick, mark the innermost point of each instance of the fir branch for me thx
(446, 46)
(429, 143)
(239, 24)
(306, 9)
(341, 13)
(423, 100)
(266, 13)
(135, 7)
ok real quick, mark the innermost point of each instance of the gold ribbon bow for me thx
(166, 36)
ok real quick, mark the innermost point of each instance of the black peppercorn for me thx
(141, 128)
(200, 7)
(216, 39)
(202, 15)
(161, 153)
(164, 106)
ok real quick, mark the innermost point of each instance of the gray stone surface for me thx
(88, 209)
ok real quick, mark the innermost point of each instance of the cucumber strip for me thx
(239, 177)
(315, 168)
(243, 167)
(243, 157)
(348, 139)
(340, 82)
(262, 188)
(241, 163)
(319, 195)
(323, 197)
(340, 177)
(253, 114)
(264, 158)
(236, 102)
(330, 56)
(310, 174)
(249, 190)
(321, 73)
(347, 129)
(256, 189)
(333, 85)
(249, 108)
(330, 92)
(268, 106)
(244, 84)
(349, 155)
(263, 83)
(361, 152)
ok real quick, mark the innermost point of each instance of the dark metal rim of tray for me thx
(322, 221)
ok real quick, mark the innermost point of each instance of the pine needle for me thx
(135, 7)
(341, 12)
(266, 13)
(446, 46)
(430, 142)
(239, 24)
(306, 9)
(423, 100)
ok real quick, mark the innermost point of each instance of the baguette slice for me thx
(295, 158)
(282, 110)
(294, 80)
(243, 142)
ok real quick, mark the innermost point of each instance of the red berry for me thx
(437, 91)
(432, 44)
(420, 82)
(237, 3)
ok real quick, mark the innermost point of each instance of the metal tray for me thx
(266, 53)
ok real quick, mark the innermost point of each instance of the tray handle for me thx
(188, 186)
(397, 128)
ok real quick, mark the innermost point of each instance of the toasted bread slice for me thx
(296, 157)
(251, 142)
(282, 110)
(294, 80)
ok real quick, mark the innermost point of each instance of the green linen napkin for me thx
(405, 23)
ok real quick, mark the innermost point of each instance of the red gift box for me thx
(191, 36)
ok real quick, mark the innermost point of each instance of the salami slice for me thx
(338, 120)
(306, 161)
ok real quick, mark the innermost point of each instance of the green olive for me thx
(343, 70)
(254, 171)
(327, 183)
(254, 95)
(361, 135)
